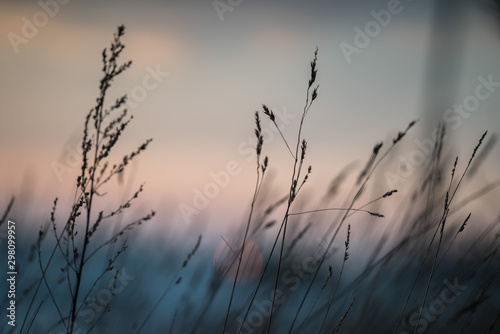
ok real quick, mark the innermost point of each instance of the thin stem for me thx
(258, 185)
(336, 209)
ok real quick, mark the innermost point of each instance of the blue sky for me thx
(219, 73)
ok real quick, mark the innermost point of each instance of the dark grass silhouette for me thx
(417, 259)
(103, 128)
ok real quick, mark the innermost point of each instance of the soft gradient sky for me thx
(220, 72)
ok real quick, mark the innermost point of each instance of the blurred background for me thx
(222, 64)
(200, 71)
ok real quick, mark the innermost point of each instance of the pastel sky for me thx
(219, 73)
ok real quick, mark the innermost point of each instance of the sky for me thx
(214, 65)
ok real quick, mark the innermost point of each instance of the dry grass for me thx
(416, 241)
